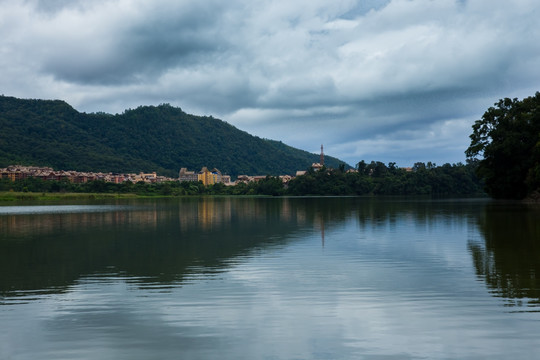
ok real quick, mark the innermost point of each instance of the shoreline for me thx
(8, 196)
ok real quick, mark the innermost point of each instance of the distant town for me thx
(368, 179)
(206, 176)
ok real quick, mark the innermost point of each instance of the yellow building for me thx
(207, 177)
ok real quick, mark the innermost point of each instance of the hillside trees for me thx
(149, 138)
(508, 140)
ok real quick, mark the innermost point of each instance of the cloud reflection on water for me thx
(251, 278)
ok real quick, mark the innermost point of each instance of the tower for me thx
(322, 156)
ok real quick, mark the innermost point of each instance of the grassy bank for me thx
(18, 196)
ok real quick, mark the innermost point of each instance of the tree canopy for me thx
(376, 178)
(508, 140)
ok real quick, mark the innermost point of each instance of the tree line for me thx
(374, 178)
(377, 178)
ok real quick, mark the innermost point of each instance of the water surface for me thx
(270, 278)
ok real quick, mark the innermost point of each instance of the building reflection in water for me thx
(148, 240)
(163, 240)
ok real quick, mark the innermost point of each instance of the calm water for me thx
(270, 278)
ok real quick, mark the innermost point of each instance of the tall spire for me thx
(322, 156)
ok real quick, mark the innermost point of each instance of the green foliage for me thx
(269, 186)
(150, 138)
(378, 179)
(508, 139)
(172, 188)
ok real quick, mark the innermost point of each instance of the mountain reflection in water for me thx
(280, 278)
(47, 248)
(148, 241)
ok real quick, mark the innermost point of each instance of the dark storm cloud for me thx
(54, 6)
(388, 80)
(128, 50)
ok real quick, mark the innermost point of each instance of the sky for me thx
(385, 80)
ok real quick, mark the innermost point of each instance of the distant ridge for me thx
(150, 138)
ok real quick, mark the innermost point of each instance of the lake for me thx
(270, 278)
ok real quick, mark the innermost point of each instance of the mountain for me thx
(150, 138)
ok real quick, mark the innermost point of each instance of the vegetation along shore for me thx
(375, 178)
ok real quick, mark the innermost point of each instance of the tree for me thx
(377, 169)
(361, 167)
(508, 138)
(269, 186)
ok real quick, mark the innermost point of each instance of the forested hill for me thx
(150, 138)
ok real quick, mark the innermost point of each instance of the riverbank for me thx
(18, 196)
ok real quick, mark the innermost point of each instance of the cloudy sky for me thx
(386, 80)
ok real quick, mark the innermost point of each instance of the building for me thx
(318, 166)
(185, 175)
(226, 179)
(217, 176)
(19, 172)
(209, 177)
